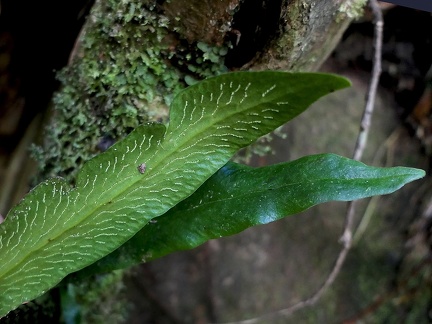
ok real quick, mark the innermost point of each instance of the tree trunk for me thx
(133, 56)
(286, 35)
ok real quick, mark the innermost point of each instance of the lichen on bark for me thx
(308, 32)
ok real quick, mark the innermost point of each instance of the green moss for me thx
(100, 300)
(127, 68)
(297, 18)
(351, 9)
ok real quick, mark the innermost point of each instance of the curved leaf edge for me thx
(264, 99)
(281, 190)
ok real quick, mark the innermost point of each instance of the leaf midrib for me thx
(157, 163)
(257, 192)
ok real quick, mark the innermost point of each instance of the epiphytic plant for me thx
(163, 189)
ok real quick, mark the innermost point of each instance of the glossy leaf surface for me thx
(238, 197)
(57, 230)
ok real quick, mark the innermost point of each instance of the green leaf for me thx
(238, 197)
(57, 230)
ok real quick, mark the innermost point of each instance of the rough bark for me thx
(134, 55)
(279, 34)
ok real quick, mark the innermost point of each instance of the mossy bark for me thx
(134, 55)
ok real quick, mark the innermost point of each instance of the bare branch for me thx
(376, 72)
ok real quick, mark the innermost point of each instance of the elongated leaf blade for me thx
(57, 230)
(238, 197)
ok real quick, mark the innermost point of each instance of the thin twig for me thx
(376, 72)
(367, 114)
(346, 238)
